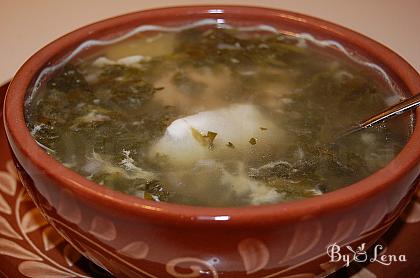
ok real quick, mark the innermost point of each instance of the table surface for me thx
(26, 26)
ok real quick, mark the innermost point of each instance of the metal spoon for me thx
(397, 109)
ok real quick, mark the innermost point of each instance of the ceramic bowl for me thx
(133, 237)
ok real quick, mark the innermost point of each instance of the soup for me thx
(214, 117)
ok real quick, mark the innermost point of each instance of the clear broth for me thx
(214, 117)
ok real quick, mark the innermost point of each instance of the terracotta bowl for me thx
(133, 237)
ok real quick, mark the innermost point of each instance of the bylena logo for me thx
(360, 255)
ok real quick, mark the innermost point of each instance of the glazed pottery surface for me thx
(133, 237)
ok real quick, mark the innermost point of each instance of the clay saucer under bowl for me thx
(139, 238)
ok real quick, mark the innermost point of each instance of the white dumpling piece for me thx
(237, 123)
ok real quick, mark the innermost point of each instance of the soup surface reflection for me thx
(214, 117)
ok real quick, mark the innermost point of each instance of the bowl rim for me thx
(22, 142)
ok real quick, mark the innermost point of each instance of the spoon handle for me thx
(397, 109)
(392, 111)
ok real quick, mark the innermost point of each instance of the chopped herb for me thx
(200, 138)
(230, 145)
(68, 79)
(252, 141)
(211, 136)
(155, 188)
(205, 140)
